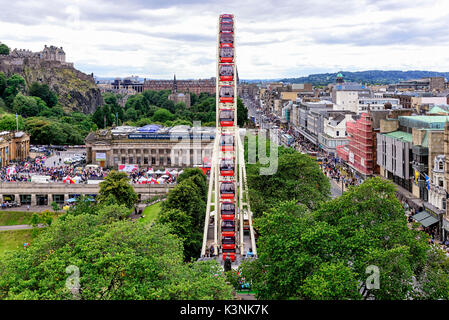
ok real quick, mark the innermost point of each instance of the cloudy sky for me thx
(275, 38)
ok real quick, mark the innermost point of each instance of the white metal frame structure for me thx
(242, 217)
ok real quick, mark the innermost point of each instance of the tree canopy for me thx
(298, 177)
(116, 184)
(43, 91)
(326, 253)
(4, 49)
(115, 260)
(184, 210)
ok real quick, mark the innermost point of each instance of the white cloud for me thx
(275, 39)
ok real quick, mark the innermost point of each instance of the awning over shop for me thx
(425, 218)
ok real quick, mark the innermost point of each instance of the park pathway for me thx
(19, 227)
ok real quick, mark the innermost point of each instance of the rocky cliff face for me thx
(76, 90)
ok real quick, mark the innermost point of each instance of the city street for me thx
(53, 161)
(264, 123)
(335, 189)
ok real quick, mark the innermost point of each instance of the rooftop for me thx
(399, 135)
(431, 122)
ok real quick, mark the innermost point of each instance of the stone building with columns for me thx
(14, 146)
(150, 146)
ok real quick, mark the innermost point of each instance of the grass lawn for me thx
(10, 218)
(150, 213)
(14, 239)
(245, 292)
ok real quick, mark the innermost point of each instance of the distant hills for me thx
(368, 77)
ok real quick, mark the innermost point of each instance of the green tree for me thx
(162, 115)
(35, 220)
(4, 49)
(332, 281)
(131, 114)
(44, 92)
(82, 206)
(47, 217)
(184, 211)
(242, 113)
(55, 206)
(198, 177)
(8, 122)
(14, 85)
(25, 106)
(113, 212)
(117, 184)
(45, 131)
(117, 260)
(297, 177)
(326, 253)
(2, 83)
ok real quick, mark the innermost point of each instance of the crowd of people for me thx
(331, 166)
(165, 177)
(23, 172)
(431, 230)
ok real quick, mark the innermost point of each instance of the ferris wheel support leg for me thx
(245, 189)
(241, 162)
(217, 219)
(210, 203)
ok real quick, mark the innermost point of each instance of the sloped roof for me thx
(436, 110)
(400, 135)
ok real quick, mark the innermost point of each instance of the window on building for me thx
(440, 165)
(153, 160)
(338, 133)
(131, 160)
(145, 160)
(123, 160)
(440, 182)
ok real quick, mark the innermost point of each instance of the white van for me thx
(40, 179)
(92, 166)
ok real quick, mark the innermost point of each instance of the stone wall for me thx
(146, 191)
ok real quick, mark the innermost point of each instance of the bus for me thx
(287, 139)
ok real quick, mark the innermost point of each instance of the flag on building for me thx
(427, 181)
(416, 175)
